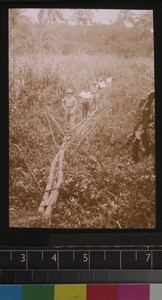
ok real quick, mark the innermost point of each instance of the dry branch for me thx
(54, 194)
(49, 184)
(51, 130)
(84, 124)
(52, 117)
(28, 167)
(78, 145)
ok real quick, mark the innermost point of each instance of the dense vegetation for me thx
(128, 36)
(102, 186)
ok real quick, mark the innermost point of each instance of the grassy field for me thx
(104, 188)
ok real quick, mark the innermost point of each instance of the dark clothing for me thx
(85, 109)
(145, 120)
(136, 146)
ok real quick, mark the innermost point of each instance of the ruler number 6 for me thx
(148, 256)
(23, 257)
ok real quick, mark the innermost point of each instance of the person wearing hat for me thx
(101, 84)
(95, 94)
(69, 105)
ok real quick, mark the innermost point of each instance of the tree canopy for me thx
(129, 35)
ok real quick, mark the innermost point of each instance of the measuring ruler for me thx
(21, 265)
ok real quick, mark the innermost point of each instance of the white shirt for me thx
(108, 80)
(102, 84)
(85, 95)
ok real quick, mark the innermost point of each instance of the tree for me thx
(50, 15)
(145, 24)
(142, 32)
(14, 15)
(49, 20)
(21, 32)
(83, 16)
(125, 17)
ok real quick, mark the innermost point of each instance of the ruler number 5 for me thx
(23, 257)
(148, 256)
(85, 257)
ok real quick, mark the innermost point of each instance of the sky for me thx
(103, 16)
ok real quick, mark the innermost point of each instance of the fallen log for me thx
(52, 190)
(49, 185)
(54, 194)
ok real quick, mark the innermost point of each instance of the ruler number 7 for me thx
(148, 256)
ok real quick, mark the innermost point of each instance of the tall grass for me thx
(37, 78)
(132, 74)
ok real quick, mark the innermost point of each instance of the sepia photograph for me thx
(81, 119)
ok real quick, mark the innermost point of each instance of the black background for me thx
(82, 237)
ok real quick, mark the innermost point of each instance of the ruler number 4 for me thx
(54, 257)
(148, 256)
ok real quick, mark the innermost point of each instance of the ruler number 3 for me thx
(23, 258)
(148, 256)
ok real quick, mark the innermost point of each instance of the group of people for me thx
(87, 97)
(90, 99)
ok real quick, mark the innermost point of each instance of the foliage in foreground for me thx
(102, 188)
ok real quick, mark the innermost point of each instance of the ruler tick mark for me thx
(11, 255)
(47, 276)
(89, 261)
(58, 266)
(151, 260)
(136, 255)
(31, 276)
(104, 255)
(26, 252)
(120, 260)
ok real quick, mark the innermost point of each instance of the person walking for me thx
(85, 99)
(101, 84)
(69, 105)
(109, 82)
(95, 94)
(102, 87)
